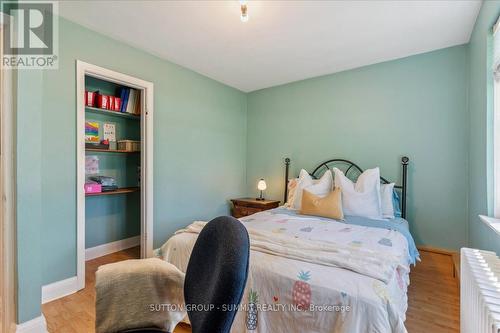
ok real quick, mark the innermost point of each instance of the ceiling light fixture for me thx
(244, 11)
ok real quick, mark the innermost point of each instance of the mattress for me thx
(289, 295)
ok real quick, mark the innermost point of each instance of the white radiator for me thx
(479, 291)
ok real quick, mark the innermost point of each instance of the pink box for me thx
(93, 188)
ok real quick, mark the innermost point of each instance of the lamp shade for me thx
(261, 185)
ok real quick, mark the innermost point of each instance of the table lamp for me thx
(261, 186)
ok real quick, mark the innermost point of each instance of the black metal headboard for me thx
(354, 168)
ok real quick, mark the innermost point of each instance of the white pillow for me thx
(386, 191)
(321, 187)
(292, 188)
(363, 197)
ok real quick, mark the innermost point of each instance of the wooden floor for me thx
(433, 298)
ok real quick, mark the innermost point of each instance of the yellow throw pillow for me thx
(329, 206)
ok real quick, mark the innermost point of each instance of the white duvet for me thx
(348, 278)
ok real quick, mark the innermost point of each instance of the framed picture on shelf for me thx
(92, 131)
(109, 131)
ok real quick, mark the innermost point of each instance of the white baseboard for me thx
(37, 325)
(59, 289)
(104, 249)
(69, 286)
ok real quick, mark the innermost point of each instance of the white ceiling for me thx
(283, 41)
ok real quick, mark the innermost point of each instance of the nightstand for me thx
(248, 206)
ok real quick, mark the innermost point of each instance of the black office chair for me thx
(216, 276)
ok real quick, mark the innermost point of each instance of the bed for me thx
(314, 274)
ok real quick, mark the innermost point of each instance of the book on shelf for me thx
(137, 103)
(124, 95)
(131, 100)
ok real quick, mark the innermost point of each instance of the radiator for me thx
(479, 291)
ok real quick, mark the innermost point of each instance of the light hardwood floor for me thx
(433, 298)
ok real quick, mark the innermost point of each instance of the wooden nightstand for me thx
(248, 206)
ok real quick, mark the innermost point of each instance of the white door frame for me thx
(146, 88)
(7, 202)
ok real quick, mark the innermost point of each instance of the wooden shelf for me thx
(97, 150)
(112, 113)
(122, 190)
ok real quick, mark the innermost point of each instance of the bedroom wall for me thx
(373, 115)
(199, 146)
(480, 130)
(29, 224)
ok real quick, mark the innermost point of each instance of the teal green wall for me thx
(111, 218)
(480, 128)
(29, 192)
(199, 153)
(373, 115)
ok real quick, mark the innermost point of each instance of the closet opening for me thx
(114, 162)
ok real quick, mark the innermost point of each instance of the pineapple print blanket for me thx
(311, 274)
(378, 265)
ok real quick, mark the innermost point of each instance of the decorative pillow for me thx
(292, 187)
(321, 188)
(363, 197)
(386, 200)
(329, 206)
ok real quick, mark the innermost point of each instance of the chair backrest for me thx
(216, 275)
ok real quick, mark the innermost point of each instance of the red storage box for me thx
(111, 102)
(118, 104)
(90, 98)
(93, 188)
(102, 101)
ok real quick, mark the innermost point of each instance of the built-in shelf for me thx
(97, 150)
(122, 190)
(112, 113)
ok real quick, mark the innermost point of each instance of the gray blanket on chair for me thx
(138, 294)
